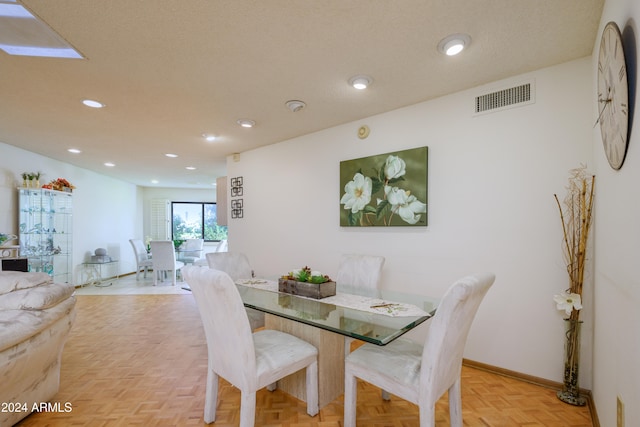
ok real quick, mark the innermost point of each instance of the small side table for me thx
(93, 270)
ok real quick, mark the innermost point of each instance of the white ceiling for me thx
(171, 70)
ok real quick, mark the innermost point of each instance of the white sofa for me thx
(35, 319)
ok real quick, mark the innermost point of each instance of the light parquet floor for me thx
(140, 360)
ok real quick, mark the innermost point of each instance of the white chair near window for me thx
(143, 260)
(191, 251)
(236, 265)
(421, 374)
(249, 361)
(163, 255)
(223, 246)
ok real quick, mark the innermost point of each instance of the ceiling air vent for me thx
(506, 98)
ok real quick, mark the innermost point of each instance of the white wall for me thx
(106, 211)
(616, 349)
(491, 208)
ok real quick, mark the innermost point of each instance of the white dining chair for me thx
(360, 275)
(223, 246)
(192, 251)
(237, 266)
(163, 256)
(143, 260)
(249, 361)
(418, 373)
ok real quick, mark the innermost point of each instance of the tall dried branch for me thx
(576, 223)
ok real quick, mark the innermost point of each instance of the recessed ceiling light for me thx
(360, 82)
(171, 155)
(191, 168)
(454, 44)
(92, 103)
(109, 164)
(209, 137)
(246, 123)
(154, 181)
(74, 151)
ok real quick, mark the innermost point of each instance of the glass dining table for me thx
(377, 318)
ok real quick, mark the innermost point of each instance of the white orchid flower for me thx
(568, 302)
(357, 193)
(405, 204)
(394, 167)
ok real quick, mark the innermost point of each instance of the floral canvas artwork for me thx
(385, 190)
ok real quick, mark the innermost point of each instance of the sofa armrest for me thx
(36, 298)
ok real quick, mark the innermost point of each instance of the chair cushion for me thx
(398, 361)
(277, 351)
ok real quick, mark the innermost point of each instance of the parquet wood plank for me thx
(141, 360)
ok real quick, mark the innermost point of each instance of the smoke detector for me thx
(295, 105)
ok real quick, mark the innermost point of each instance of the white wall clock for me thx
(613, 95)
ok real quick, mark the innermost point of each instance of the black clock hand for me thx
(606, 102)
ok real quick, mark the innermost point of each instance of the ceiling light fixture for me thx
(154, 181)
(74, 151)
(246, 123)
(209, 137)
(109, 164)
(454, 44)
(22, 33)
(173, 156)
(295, 105)
(92, 103)
(360, 82)
(191, 168)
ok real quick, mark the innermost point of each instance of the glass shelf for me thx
(46, 224)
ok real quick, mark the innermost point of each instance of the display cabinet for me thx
(46, 239)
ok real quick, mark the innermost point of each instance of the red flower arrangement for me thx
(59, 184)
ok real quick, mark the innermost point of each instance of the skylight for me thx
(21, 33)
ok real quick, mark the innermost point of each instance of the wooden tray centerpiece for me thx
(307, 283)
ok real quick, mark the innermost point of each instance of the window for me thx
(193, 220)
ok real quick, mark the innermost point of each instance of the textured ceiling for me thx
(171, 70)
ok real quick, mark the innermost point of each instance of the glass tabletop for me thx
(365, 325)
(111, 261)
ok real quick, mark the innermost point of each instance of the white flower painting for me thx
(385, 190)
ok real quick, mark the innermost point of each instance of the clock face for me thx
(613, 95)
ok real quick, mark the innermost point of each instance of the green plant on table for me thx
(305, 274)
